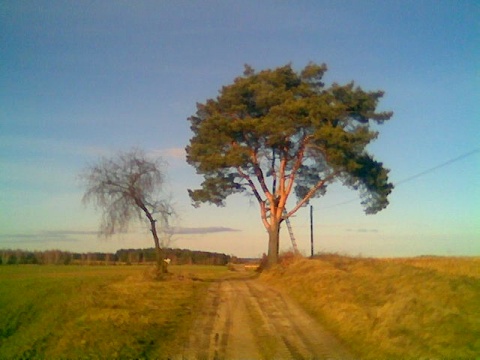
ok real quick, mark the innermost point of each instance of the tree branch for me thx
(260, 177)
(298, 163)
(274, 172)
(311, 193)
(263, 211)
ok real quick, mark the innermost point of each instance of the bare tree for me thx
(126, 187)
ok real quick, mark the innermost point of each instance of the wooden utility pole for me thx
(311, 229)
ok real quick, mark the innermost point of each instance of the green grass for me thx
(98, 312)
(391, 308)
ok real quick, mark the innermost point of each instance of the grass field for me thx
(97, 312)
(415, 308)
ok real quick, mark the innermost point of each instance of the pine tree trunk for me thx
(273, 244)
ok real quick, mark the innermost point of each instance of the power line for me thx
(413, 177)
(451, 161)
(341, 203)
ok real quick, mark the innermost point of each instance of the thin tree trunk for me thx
(161, 264)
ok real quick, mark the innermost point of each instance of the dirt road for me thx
(244, 319)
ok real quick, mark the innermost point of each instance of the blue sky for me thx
(82, 79)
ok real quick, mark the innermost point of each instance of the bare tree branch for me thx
(127, 187)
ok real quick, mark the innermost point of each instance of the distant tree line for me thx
(121, 257)
(176, 256)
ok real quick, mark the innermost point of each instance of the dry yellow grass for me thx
(463, 266)
(391, 308)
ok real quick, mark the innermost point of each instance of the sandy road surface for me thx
(244, 319)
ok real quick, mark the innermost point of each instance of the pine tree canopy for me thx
(279, 131)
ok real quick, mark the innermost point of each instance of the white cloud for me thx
(202, 230)
(37, 238)
(363, 230)
(170, 153)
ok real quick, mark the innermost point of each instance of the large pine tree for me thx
(277, 132)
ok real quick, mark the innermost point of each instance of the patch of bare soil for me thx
(246, 319)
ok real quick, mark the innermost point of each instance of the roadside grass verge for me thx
(416, 308)
(98, 312)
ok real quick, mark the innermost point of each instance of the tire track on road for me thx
(246, 319)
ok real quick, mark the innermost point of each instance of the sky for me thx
(85, 79)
